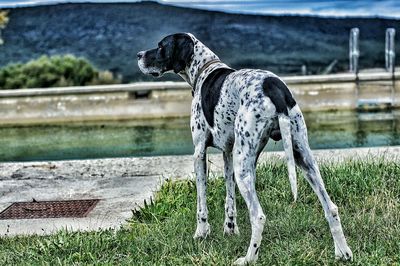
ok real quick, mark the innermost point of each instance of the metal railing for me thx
(354, 50)
(390, 54)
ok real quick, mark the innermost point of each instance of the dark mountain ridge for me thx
(110, 35)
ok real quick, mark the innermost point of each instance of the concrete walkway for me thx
(122, 184)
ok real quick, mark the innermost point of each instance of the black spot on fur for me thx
(230, 225)
(279, 94)
(210, 92)
(204, 220)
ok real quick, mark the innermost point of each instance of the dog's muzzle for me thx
(143, 65)
(140, 55)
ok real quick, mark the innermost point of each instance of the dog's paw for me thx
(343, 253)
(240, 261)
(231, 228)
(202, 231)
(244, 261)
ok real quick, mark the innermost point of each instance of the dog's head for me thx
(173, 53)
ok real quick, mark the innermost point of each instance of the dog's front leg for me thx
(200, 168)
(230, 225)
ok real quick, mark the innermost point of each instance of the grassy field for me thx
(367, 193)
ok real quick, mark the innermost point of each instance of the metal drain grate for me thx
(48, 209)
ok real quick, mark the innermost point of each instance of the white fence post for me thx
(390, 53)
(354, 51)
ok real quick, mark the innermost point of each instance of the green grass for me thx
(367, 194)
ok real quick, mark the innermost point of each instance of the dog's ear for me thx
(183, 52)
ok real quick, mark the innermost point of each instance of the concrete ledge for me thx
(122, 184)
(133, 87)
(374, 89)
(173, 99)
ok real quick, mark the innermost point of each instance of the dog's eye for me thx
(160, 50)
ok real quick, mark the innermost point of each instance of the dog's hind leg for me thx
(200, 168)
(245, 179)
(249, 132)
(230, 225)
(306, 161)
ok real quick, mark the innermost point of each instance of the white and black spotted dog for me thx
(237, 111)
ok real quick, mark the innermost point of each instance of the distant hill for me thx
(110, 35)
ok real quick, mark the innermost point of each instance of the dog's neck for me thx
(203, 57)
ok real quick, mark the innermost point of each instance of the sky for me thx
(339, 8)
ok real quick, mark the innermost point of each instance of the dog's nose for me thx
(140, 55)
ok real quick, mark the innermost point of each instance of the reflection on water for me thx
(172, 136)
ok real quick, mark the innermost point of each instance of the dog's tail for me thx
(277, 91)
(284, 125)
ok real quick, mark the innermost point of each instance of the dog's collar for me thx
(204, 67)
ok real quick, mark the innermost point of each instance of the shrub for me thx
(55, 71)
